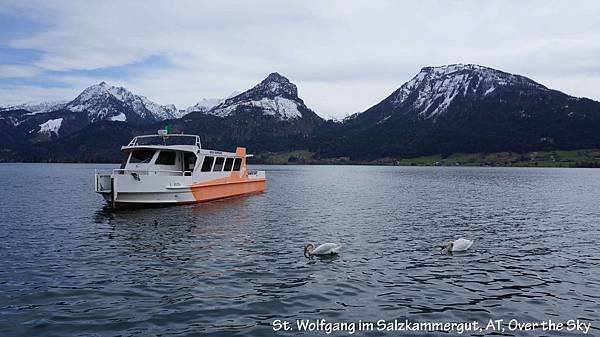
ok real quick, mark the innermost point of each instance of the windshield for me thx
(141, 156)
(124, 157)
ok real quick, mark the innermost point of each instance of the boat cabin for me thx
(159, 159)
(178, 159)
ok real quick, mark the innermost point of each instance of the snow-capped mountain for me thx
(37, 107)
(430, 93)
(269, 113)
(275, 96)
(442, 110)
(470, 108)
(457, 90)
(41, 122)
(105, 102)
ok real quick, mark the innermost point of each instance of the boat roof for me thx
(167, 139)
(188, 148)
(174, 142)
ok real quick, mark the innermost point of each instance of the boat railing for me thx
(108, 172)
(152, 172)
(166, 139)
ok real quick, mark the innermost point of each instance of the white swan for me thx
(459, 245)
(324, 249)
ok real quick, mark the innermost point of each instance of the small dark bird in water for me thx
(155, 223)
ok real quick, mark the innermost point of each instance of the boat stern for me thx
(103, 182)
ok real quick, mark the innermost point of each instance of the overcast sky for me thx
(344, 56)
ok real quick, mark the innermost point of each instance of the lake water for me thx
(69, 267)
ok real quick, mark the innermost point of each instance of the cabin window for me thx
(237, 163)
(141, 156)
(207, 164)
(166, 158)
(189, 160)
(228, 164)
(218, 164)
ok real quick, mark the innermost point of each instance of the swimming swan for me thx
(324, 249)
(459, 245)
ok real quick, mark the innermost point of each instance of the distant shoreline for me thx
(585, 158)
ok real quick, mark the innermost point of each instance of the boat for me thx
(168, 168)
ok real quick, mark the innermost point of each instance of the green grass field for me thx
(576, 158)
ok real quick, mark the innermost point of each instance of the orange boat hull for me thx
(208, 192)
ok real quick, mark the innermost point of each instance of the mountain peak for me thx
(274, 96)
(433, 89)
(450, 68)
(276, 77)
(482, 72)
(276, 85)
(102, 101)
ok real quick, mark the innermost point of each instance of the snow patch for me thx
(118, 118)
(52, 125)
(284, 108)
(383, 120)
(329, 117)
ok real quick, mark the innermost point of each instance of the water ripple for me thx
(229, 268)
